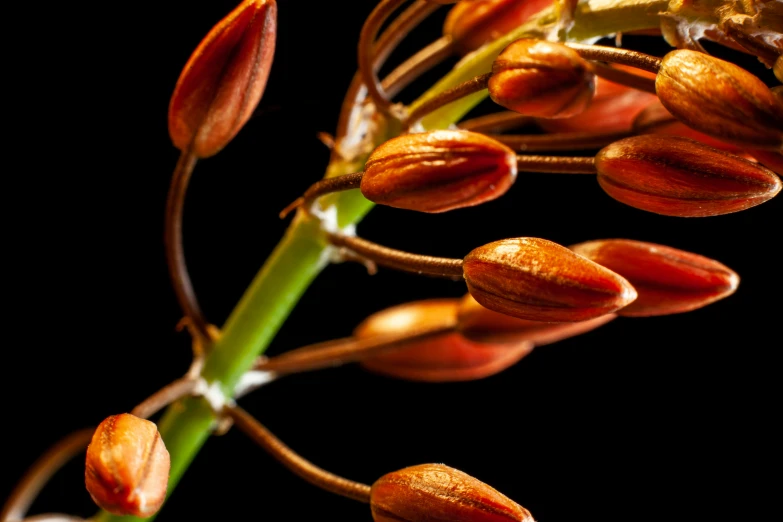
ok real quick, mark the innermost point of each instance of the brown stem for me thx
(559, 141)
(175, 255)
(455, 93)
(31, 484)
(601, 53)
(294, 462)
(421, 62)
(556, 164)
(165, 396)
(496, 122)
(323, 187)
(634, 81)
(389, 257)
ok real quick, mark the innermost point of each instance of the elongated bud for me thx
(542, 79)
(127, 466)
(681, 177)
(433, 492)
(720, 99)
(480, 324)
(473, 23)
(668, 280)
(778, 68)
(536, 279)
(223, 81)
(770, 159)
(438, 171)
(448, 357)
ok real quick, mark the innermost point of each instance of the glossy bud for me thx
(681, 177)
(541, 79)
(127, 466)
(473, 23)
(435, 492)
(438, 170)
(770, 159)
(536, 279)
(223, 81)
(448, 357)
(668, 280)
(720, 99)
(778, 68)
(480, 324)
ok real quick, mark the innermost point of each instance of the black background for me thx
(644, 419)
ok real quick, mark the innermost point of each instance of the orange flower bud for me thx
(778, 68)
(473, 23)
(720, 99)
(542, 79)
(668, 280)
(127, 466)
(480, 324)
(223, 81)
(536, 279)
(438, 171)
(448, 357)
(770, 159)
(430, 492)
(681, 177)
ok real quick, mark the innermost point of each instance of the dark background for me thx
(644, 419)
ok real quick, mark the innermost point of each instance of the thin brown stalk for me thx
(451, 95)
(559, 141)
(634, 81)
(556, 164)
(421, 62)
(293, 461)
(601, 53)
(165, 396)
(496, 122)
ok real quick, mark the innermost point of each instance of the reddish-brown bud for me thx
(541, 79)
(127, 466)
(473, 23)
(668, 280)
(480, 324)
(770, 159)
(447, 357)
(434, 492)
(223, 81)
(536, 279)
(438, 170)
(720, 99)
(681, 177)
(778, 68)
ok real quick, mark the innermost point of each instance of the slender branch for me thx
(559, 141)
(416, 65)
(160, 399)
(31, 484)
(175, 255)
(389, 257)
(496, 122)
(556, 164)
(327, 186)
(617, 55)
(634, 81)
(451, 95)
(294, 462)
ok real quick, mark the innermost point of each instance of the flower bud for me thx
(438, 171)
(770, 159)
(720, 99)
(542, 79)
(447, 357)
(482, 325)
(681, 177)
(536, 279)
(127, 466)
(223, 81)
(778, 68)
(434, 492)
(668, 280)
(473, 23)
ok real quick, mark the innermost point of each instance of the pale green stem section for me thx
(299, 257)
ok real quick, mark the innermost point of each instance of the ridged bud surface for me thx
(541, 79)
(668, 280)
(438, 171)
(536, 279)
(473, 23)
(127, 466)
(482, 325)
(720, 99)
(223, 80)
(436, 493)
(681, 177)
(448, 357)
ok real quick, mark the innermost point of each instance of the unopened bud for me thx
(778, 68)
(681, 177)
(720, 99)
(430, 492)
(668, 280)
(541, 79)
(770, 159)
(127, 466)
(438, 170)
(480, 324)
(536, 279)
(473, 23)
(223, 81)
(447, 357)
